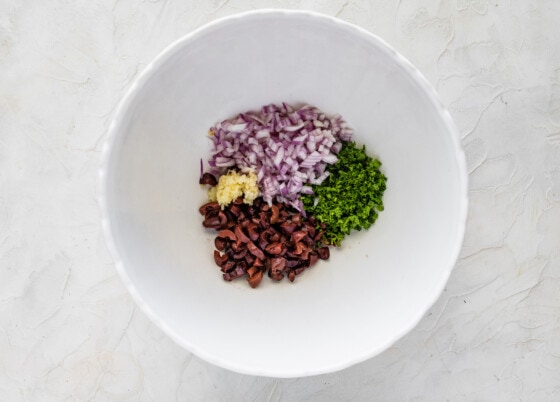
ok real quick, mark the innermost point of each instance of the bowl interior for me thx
(375, 287)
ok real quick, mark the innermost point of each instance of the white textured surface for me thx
(68, 329)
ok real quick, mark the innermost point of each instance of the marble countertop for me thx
(70, 331)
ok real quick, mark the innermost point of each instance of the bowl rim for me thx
(108, 149)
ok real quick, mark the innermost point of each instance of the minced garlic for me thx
(232, 186)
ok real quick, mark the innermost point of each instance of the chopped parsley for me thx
(350, 197)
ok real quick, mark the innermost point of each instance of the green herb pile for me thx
(351, 197)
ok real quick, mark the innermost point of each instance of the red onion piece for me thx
(288, 148)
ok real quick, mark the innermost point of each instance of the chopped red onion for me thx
(288, 148)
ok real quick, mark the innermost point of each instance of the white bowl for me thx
(376, 287)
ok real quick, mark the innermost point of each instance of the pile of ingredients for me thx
(285, 185)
